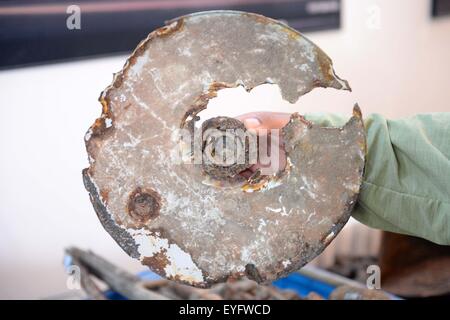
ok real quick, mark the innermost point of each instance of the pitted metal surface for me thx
(164, 213)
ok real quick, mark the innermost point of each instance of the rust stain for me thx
(324, 64)
(357, 116)
(118, 79)
(257, 17)
(105, 106)
(170, 29)
(99, 127)
(292, 34)
(301, 118)
(254, 186)
(143, 205)
(161, 233)
(104, 194)
(202, 101)
(157, 262)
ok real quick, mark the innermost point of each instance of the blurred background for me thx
(55, 62)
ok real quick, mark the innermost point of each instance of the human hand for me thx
(262, 123)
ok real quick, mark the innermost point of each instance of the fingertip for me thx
(251, 123)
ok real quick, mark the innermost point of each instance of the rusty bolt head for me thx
(144, 205)
(224, 137)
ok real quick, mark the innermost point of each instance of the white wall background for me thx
(397, 68)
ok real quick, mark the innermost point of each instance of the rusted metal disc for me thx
(168, 214)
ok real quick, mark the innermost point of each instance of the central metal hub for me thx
(225, 147)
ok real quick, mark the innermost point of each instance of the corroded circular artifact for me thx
(182, 220)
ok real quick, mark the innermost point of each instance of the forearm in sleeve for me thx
(406, 185)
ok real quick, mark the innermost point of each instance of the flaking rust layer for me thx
(164, 214)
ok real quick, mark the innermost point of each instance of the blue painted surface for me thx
(148, 275)
(304, 285)
(112, 295)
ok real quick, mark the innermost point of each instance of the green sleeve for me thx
(406, 185)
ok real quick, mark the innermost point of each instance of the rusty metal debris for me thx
(93, 266)
(168, 215)
(358, 293)
(242, 289)
(129, 286)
